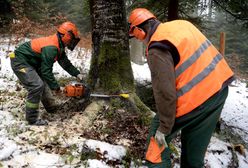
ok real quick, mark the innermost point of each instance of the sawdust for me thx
(62, 126)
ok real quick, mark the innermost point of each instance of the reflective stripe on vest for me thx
(201, 70)
(200, 76)
(193, 58)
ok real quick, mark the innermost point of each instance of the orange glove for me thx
(154, 151)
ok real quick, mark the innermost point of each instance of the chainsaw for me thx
(78, 90)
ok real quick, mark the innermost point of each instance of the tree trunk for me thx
(110, 67)
(5, 12)
(173, 10)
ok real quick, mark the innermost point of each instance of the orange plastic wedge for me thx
(153, 153)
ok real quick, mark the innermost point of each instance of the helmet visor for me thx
(73, 42)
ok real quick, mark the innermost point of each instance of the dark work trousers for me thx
(48, 99)
(196, 128)
(37, 89)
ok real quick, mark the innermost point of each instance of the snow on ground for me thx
(141, 73)
(219, 154)
(80, 58)
(235, 112)
(14, 153)
(33, 158)
(113, 152)
(7, 77)
(94, 163)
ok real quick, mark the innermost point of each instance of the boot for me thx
(32, 117)
(38, 122)
(51, 109)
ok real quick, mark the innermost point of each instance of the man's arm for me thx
(48, 55)
(164, 86)
(65, 63)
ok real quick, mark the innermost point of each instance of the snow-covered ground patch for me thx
(235, 112)
(218, 155)
(80, 58)
(141, 73)
(112, 152)
(94, 163)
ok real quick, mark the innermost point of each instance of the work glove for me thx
(80, 77)
(57, 91)
(160, 139)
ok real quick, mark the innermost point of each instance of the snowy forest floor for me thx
(101, 135)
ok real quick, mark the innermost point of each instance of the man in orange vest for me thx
(190, 84)
(32, 62)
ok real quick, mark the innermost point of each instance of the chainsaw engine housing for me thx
(76, 90)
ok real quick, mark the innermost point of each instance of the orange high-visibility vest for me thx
(38, 43)
(201, 70)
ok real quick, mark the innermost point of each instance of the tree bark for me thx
(110, 64)
(110, 69)
(173, 10)
(5, 12)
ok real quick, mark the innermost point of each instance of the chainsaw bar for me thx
(101, 95)
(108, 96)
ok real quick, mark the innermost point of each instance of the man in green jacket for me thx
(32, 62)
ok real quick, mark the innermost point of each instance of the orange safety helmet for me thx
(70, 34)
(138, 16)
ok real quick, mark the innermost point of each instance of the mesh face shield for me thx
(73, 41)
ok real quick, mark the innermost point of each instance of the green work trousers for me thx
(38, 90)
(196, 131)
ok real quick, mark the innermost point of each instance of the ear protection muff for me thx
(70, 40)
(66, 38)
(139, 33)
